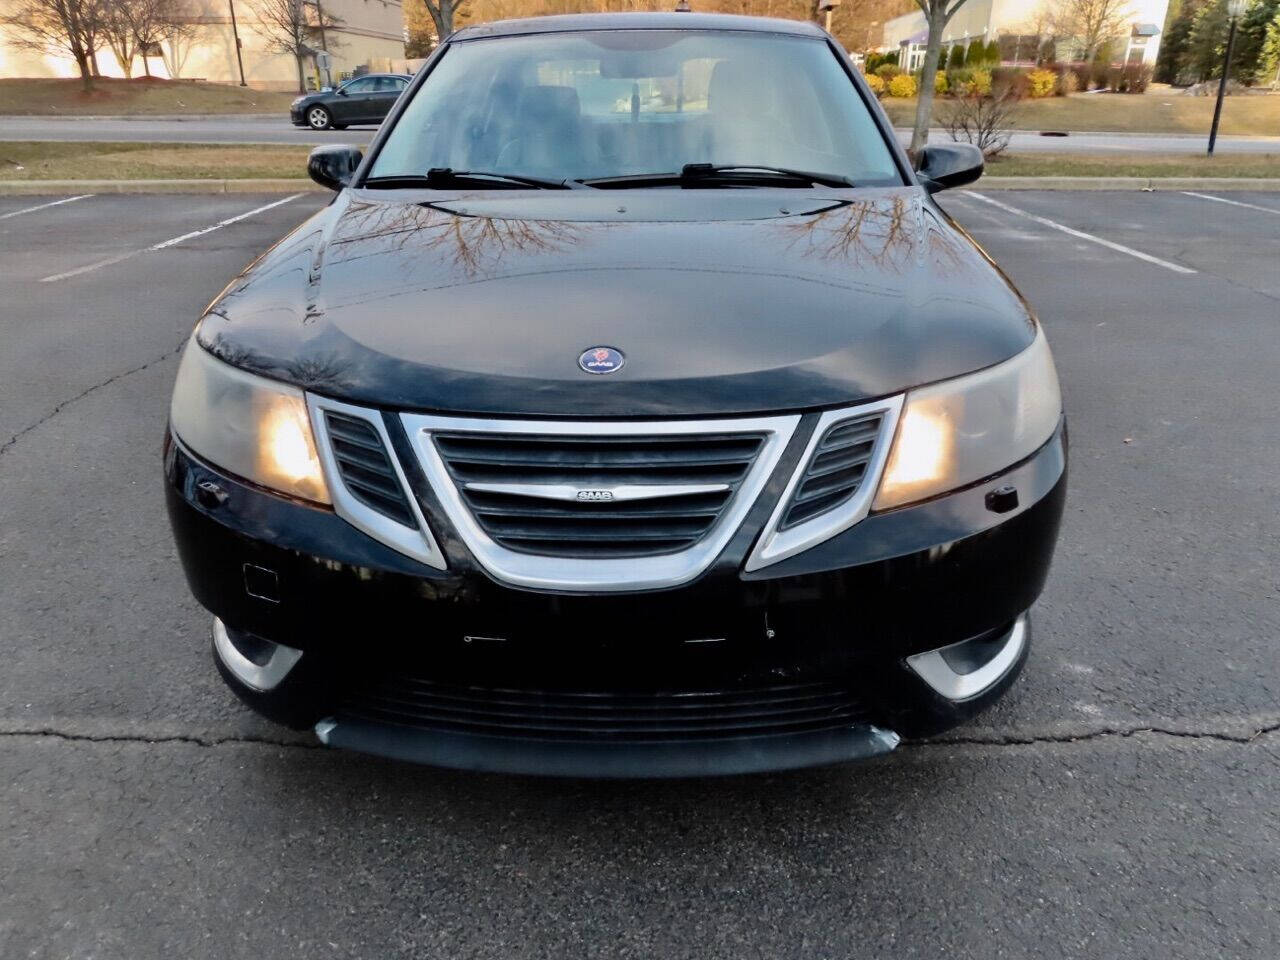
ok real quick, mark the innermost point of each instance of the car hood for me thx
(722, 301)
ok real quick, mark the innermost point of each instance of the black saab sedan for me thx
(364, 100)
(632, 410)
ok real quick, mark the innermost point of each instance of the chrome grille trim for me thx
(621, 493)
(597, 574)
(416, 542)
(366, 467)
(836, 472)
(775, 543)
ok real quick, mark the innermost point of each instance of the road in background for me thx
(258, 129)
(1122, 801)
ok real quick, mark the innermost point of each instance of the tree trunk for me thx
(442, 16)
(93, 63)
(124, 57)
(86, 75)
(146, 63)
(924, 101)
(302, 84)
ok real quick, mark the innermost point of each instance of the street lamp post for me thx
(235, 33)
(827, 7)
(1235, 9)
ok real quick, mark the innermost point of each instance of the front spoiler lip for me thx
(606, 760)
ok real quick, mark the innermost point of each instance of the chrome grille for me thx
(606, 496)
(365, 467)
(836, 469)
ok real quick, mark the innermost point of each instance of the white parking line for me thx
(221, 223)
(44, 206)
(168, 243)
(1234, 203)
(1109, 244)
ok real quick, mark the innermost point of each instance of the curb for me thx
(49, 187)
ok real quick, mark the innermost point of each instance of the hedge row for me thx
(1049, 80)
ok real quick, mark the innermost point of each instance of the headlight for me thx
(250, 426)
(954, 433)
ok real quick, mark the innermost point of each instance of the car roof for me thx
(638, 21)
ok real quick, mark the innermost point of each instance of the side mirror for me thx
(332, 166)
(340, 91)
(946, 165)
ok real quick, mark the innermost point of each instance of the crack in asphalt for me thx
(1105, 733)
(183, 738)
(1101, 734)
(1183, 253)
(62, 405)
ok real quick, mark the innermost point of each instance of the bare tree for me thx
(985, 121)
(59, 27)
(442, 14)
(93, 34)
(1091, 24)
(149, 19)
(118, 31)
(937, 14)
(291, 26)
(430, 21)
(173, 30)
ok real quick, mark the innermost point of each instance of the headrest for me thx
(738, 87)
(545, 103)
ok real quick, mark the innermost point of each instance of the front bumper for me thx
(799, 663)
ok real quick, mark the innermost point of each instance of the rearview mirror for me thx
(638, 65)
(945, 165)
(332, 166)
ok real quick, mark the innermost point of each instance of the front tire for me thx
(318, 118)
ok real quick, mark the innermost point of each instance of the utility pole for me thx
(1235, 8)
(235, 32)
(320, 24)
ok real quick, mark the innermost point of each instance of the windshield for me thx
(612, 103)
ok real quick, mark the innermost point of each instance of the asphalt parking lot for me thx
(1122, 801)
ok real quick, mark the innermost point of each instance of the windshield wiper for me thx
(697, 173)
(444, 177)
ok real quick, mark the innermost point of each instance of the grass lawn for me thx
(47, 160)
(1134, 165)
(1156, 112)
(138, 96)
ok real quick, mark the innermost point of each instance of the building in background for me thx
(1022, 22)
(369, 33)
